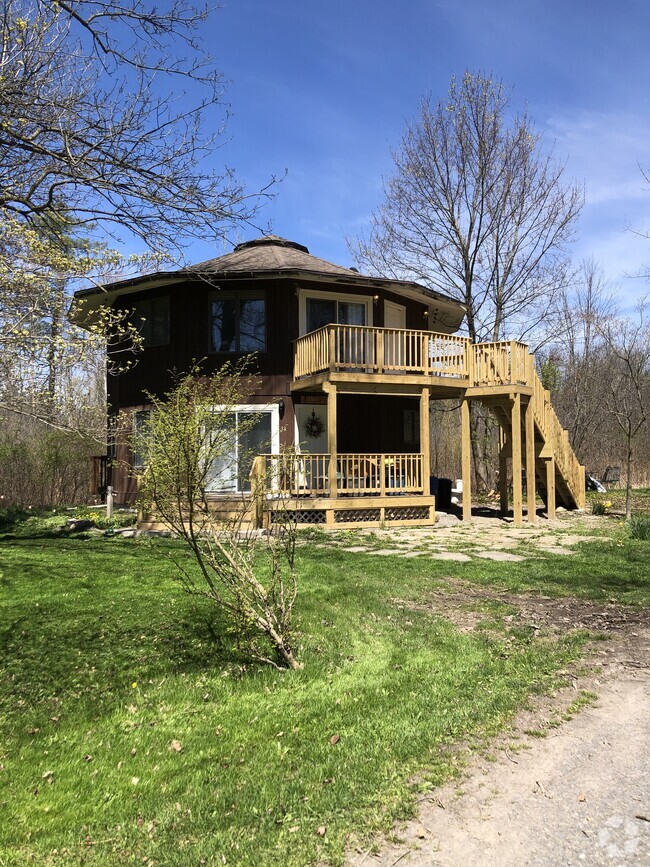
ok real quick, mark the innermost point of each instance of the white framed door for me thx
(305, 442)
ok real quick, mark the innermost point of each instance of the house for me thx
(348, 366)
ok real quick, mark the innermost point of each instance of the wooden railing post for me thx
(331, 347)
(513, 362)
(258, 489)
(380, 352)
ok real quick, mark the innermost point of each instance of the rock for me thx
(78, 525)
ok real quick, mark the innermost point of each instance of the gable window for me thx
(151, 317)
(238, 322)
(229, 472)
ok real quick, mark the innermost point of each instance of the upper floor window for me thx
(326, 308)
(151, 318)
(238, 322)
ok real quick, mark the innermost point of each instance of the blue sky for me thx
(324, 90)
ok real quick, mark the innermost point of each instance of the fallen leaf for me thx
(294, 828)
(321, 830)
(176, 746)
(133, 751)
(335, 739)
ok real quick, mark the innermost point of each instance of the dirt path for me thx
(579, 795)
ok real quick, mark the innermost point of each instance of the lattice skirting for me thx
(360, 513)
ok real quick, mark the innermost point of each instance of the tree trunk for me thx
(628, 485)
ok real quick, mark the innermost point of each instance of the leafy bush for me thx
(639, 527)
(599, 508)
(11, 516)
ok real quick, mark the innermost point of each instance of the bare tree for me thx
(112, 114)
(628, 341)
(475, 209)
(105, 108)
(580, 354)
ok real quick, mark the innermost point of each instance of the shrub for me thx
(599, 508)
(639, 527)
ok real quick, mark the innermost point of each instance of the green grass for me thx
(132, 732)
(639, 527)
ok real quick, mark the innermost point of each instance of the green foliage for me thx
(639, 527)
(188, 440)
(550, 375)
(599, 507)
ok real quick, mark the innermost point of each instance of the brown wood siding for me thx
(373, 423)
(190, 341)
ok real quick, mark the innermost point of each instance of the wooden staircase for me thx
(504, 378)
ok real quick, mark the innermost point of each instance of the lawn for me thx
(131, 731)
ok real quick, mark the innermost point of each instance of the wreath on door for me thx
(314, 427)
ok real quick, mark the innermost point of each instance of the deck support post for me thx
(517, 468)
(503, 471)
(531, 489)
(425, 439)
(550, 488)
(466, 451)
(330, 390)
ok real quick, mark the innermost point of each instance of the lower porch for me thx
(338, 489)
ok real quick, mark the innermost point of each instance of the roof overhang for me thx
(89, 301)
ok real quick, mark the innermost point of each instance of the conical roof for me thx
(269, 253)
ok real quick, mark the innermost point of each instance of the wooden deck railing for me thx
(361, 349)
(307, 475)
(501, 363)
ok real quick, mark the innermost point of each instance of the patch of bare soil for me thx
(466, 606)
(558, 787)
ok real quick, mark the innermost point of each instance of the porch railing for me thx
(357, 475)
(361, 349)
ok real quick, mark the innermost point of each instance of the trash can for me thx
(441, 490)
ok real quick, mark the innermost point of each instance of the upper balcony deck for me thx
(359, 356)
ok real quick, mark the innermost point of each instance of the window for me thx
(238, 322)
(151, 317)
(229, 472)
(139, 438)
(325, 311)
